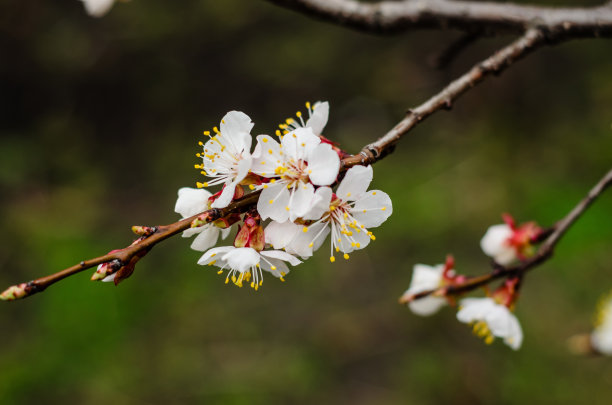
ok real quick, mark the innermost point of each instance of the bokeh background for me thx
(99, 124)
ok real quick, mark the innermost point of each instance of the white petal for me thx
(301, 200)
(237, 126)
(189, 232)
(298, 143)
(273, 202)
(280, 268)
(427, 306)
(266, 156)
(284, 256)
(318, 119)
(320, 203)
(355, 183)
(215, 254)
(206, 239)
(228, 191)
(225, 232)
(425, 278)
(315, 234)
(279, 234)
(372, 209)
(474, 309)
(191, 201)
(241, 259)
(601, 339)
(494, 244)
(323, 165)
(97, 8)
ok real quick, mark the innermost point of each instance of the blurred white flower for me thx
(245, 265)
(190, 202)
(506, 243)
(426, 278)
(227, 155)
(293, 166)
(490, 319)
(601, 338)
(97, 8)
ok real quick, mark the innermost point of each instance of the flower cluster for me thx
(433, 287)
(294, 173)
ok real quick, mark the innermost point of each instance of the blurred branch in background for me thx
(550, 239)
(491, 18)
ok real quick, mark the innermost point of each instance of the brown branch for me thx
(494, 64)
(127, 255)
(491, 18)
(544, 252)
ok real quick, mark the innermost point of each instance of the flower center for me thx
(481, 329)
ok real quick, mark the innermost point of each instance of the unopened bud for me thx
(14, 292)
(143, 230)
(242, 237)
(258, 240)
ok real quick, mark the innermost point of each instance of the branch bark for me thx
(491, 18)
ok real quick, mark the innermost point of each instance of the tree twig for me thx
(544, 252)
(492, 18)
(494, 64)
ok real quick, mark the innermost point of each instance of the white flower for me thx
(227, 155)
(491, 320)
(495, 244)
(347, 215)
(190, 202)
(317, 119)
(601, 338)
(246, 264)
(425, 278)
(300, 161)
(97, 8)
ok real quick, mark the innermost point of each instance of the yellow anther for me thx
(271, 201)
(278, 133)
(216, 130)
(234, 279)
(287, 208)
(289, 121)
(384, 208)
(294, 135)
(198, 166)
(251, 186)
(346, 256)
(212, 263)
(348, 194)
(298, 114)
(364, 211)
(213, 255)
(308, 105)
(303, 144)
(201, 143)
(358, 245)
(281, 279)
(207, 133)
(332, 259)
(332, 208)
(203, 173)
(305, 229)
(310, 244)
(220, 272)
(353, 244)
(270, 151)
(272, 180)
(273, 267)
(265, 186)
(374, 193)
(264, 140)
(252, 284)
(226, 280)
(285, 132)
(337, 249)
(346, 215)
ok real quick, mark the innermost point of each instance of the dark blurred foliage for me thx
(99, 122)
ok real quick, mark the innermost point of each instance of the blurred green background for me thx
(99, 124)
